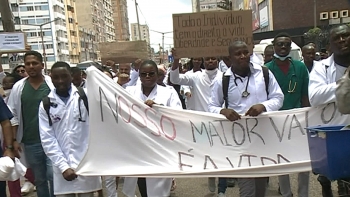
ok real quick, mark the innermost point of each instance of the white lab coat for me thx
(190, 102)
(222, 66)
(322, 83)
(201, 87)
(156, 187)
(15, 104)
(256, 88)
(66, 142)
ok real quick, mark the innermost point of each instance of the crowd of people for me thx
(45, 118)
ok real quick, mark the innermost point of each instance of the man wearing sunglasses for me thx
(293, 78)
(20, 70)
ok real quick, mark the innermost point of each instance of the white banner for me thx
(127, 138)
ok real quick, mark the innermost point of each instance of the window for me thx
(47, 33)
(31, 34)
(50, 59)
(30, 8)
(17, 21)
(14, 7)
(46, 20)
(44, 7)
(49, 46)
(37, 7)
(34, 47)
(43, 33)
(25, 22)
(70, 20)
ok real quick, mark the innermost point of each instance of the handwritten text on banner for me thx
(129, 139)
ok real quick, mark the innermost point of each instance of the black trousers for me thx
(141, 183)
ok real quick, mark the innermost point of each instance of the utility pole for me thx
(7, 16)
(138, 20)
(315, 13)
(162, 39)
(198, 6)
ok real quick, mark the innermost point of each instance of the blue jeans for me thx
(42, 169)
(222, 185)
(2, 183)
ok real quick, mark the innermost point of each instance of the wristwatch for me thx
(9, 147)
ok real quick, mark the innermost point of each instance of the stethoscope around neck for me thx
(245, 93)
(291, 87)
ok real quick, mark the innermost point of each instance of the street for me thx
(197, 187)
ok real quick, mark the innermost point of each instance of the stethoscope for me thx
(245, 93)
(291, 87)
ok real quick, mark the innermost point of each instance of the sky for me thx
(158, 15)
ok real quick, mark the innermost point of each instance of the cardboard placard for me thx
(209, 34)
(124, 52)
(13, 42)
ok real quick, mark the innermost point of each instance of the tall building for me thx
(50, 15)
(144, 32)
(88, 43)
(205, 5)
(72, 31)
(97, 15)
(121, 20)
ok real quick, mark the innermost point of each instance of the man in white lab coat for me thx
(64, 133)
(201, 88)
(247, 96)
(23, 102)
(322, 84)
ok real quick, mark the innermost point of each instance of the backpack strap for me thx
(225, 83)
(83, 97)
(266, 78)
(47, 104)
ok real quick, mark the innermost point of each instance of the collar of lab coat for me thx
(254, 67)
(329, 65)
(54, 97)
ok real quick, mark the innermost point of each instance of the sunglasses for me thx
(286, 44)
(150, 74)
(20, 71)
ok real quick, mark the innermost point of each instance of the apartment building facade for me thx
(29, 15)
(121, 20)
(205, 5)
(97, 15)
(144, 32)
(72, 31)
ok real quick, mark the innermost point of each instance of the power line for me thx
(143, 15)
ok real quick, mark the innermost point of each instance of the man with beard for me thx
(201, 87)
(322, 86)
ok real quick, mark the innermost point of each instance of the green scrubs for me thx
(31, 99)
(294, 84)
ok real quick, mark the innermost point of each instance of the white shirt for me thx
(156, 187)
(256, 88)
(201, 84)
(66, 142)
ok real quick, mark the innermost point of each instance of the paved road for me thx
(197, 187)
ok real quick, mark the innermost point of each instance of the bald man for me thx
(309, 55)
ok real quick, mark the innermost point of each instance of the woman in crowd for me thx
(151, 94)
